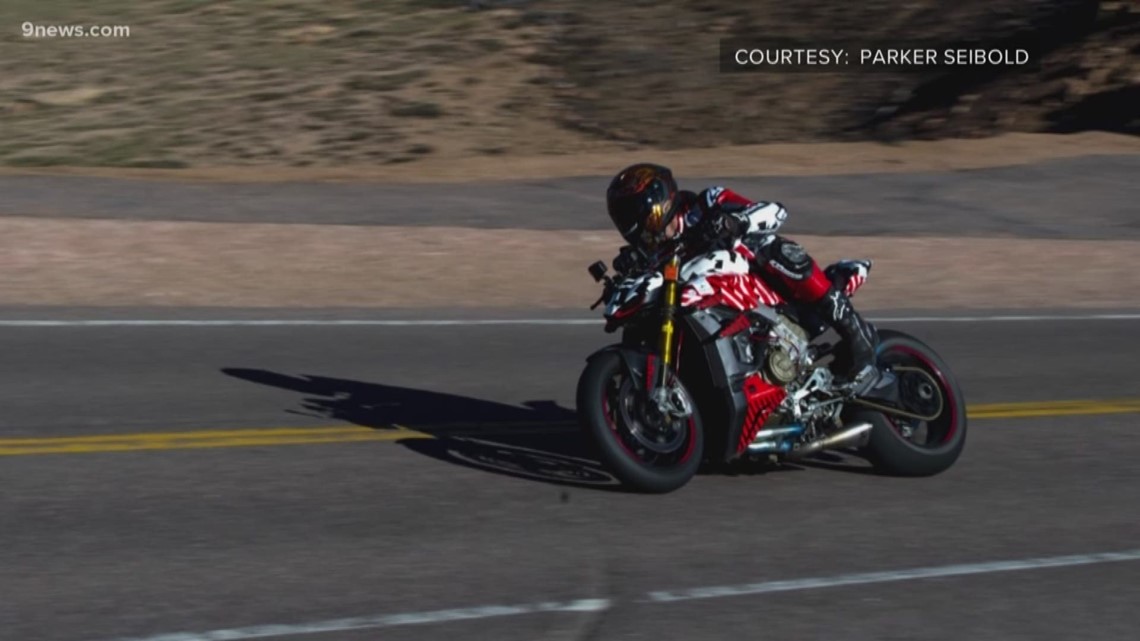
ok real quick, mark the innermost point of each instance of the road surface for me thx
(490, 521)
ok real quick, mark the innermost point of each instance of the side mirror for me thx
(598, 271)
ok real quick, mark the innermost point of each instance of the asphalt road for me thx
(1092, 197)
(141, 544)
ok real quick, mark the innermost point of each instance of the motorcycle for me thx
(714, 366)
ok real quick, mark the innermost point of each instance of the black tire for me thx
(888, 449)
(618, 457)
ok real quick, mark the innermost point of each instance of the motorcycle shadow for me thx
(847, 461)
(537, 441)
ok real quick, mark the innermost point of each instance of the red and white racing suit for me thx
(783, 263)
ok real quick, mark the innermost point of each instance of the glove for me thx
(720, 228)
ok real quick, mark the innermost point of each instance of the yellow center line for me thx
(67, 446)
(199, 439)
(1054, 408)
(199, 435)
(264, 437)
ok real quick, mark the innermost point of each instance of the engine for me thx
(787, 352)
(784, 350)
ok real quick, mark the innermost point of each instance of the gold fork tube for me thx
(668, 325)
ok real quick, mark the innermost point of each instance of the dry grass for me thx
(273, 82)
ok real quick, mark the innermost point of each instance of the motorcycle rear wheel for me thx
(606, 400)
(905, 447)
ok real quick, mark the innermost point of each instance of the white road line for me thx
(1003, 319)
(318, 322)
(293, 322)
(818, 583)
(380, 621)
(596, 605)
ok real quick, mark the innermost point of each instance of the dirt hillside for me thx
(339, 83)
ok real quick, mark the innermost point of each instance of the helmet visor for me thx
(629, 213)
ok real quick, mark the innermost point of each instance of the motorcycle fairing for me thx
(632, 294)
(724, 278)
(716, 374)
(762, 398)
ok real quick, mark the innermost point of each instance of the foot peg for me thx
(878, 385)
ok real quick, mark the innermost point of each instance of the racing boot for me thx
(865, 377)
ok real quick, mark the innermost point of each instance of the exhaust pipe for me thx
(772, 439)
(839, 438)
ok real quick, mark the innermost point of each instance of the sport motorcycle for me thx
(715, 366)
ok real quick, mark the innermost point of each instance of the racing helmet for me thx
(641, 201)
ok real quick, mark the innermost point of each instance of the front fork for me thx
(668, 321)
(669, 398)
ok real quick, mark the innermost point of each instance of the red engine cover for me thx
(763, 398)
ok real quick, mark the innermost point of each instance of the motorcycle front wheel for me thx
(645, 450)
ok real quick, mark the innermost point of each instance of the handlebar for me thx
(661, 255)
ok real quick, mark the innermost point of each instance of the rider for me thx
(647, 208)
